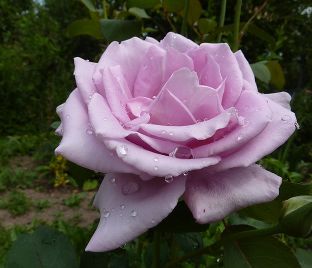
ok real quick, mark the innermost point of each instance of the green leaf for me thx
(304, 257)
(206, 25)
(142, 3)
(89, 5)
(296, 217)
(277, 74)
(119, 30)
(89, 185)
(290, 189)
(85, 27)
(260, 33)
(261, 71)
(94, 259)
(173, 5)
(268, 212)
(257, 252)
(55, 124)
(45, 248)
(181, 220)
(139, 12)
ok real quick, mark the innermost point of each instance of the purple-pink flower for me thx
(169, 120)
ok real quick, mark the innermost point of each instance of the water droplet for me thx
(133, 213)
(122, 206)
(163, 132)
(185, 173)
(169, 179)
(286, 118)
(123, 150)
(153, 221)
(239, 137)
(106, 214)
(90, 96)
(170, 134)
(113, 180)
(156, 168)
(156, 159)
(105, 119)
(182, 152)
(241, 120)
(130, 187)
(154, 97)
(120, 214)
(297, 126)
(67, 116)
(89, 131)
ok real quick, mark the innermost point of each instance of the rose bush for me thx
(166, 120)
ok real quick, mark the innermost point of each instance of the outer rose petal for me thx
(282, 98)
(82, 148)
(244, 66)
(83, 74)
(212, 197)
(155, 164)
(279, 129)
(177, 42)
(130, 206)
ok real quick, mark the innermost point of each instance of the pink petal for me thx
(103, 121)
(244, 66)
(80, 146)
(178, 42)
(150, 75)
(138, 105)
(167, 109)
(155, 164)
(229, 69)
(278, 130)
(210, 74)
(129, 207)
(256, 113)
(214, 196)
(116, 92)
(129, 54)
(83, 73)
(203, 102)
(282, 98)
(199, 131)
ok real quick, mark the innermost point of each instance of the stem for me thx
(185, 15)
(104, 9)
(244, 28)
(221, 19)
(238, 7)
(253, 233)
(156, 253)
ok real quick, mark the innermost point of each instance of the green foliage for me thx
(17, 203)
(74, 200)
(44, 248)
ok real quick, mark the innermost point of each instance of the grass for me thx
(17, 203)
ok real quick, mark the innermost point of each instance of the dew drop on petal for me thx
(133, 213)
(153, 221)
(156, 159)
(163, 132)
(170, 134)
(106, 214)
(130, 187)
(67, 116)
(155, 167)
(113, 180)
(185, 173)
(182, 152)
(239, 137)
(122, 206)
(89, 131)
(169, 179)
(123, 150)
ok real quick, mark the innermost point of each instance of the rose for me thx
(169, 119)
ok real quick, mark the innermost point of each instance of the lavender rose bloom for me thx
(166, 120)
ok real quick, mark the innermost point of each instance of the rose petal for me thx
(117, 92)
(129, 54)
(155, 164)
(279, 129)
(229, 69)
(282, 98)
(202, 102)
(103, 121)
(138, 105)
(130, 206)
(83, 74)
(212, 197)
(199, 131)
(178, 42)
(247, 72)
(167, 109)
(256, 113)
(80, 146)
(210, 74)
